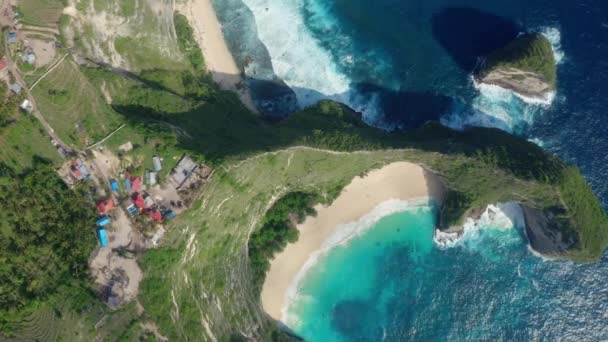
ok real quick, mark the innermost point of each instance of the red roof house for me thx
(156, 215)
(136, 183)
(138, 200)
(3, 64)
(105, 205)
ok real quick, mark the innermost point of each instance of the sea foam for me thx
(300, 60)
(496, 216)
(502, 108)
(342, 235)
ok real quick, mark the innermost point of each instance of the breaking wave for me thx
(501, 216)
(300, 60)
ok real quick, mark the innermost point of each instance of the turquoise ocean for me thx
(404, 62)
(394, 282)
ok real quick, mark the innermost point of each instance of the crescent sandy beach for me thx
(397, 181)
(218, 59)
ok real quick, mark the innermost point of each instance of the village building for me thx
(114, 185)
(103, 221)
(79, 170)
(128, 184)
(132, 210)
(150, 177)
(138, 201)
(104, 206)
(16, 88)
(156, 163)
(26, 106)
(156, 215)
(12, 37)
(136, 183)
(148, 202)
(184, 169)
(30, 58)
(103, 237)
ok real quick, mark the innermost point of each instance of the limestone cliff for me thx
(525, 66)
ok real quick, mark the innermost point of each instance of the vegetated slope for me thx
(40, 221)
(526, 66)
(130, 34)
(75, 109)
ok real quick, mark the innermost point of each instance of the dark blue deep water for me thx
(403, 62)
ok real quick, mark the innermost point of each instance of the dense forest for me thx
(277, 230)
(46, 236)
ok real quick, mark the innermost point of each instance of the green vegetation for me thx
(186, 42)
(40, 221)
(585, 213)
(128, 7)
(73, 107)
(529, 52)
(277, 230)
(21, 135)
(41, 12)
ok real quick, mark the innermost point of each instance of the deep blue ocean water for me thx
(401, 63)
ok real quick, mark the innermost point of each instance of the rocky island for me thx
(525, 66)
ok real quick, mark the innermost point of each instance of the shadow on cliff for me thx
(468, 33)
(217, 126)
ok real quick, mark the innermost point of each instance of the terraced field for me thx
(41, 12)
(73, 107)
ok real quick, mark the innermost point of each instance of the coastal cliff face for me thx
(547, 234)
(526, 66)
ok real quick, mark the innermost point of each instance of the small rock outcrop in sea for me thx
(525, 66)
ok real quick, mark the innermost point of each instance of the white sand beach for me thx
(218, 59)
(396, 181)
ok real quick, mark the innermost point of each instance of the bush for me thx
(277, 230)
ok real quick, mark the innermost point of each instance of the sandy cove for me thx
(218, 59)
(396, 181)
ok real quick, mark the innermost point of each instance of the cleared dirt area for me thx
(44, 50)
(114, 267)
(106, 163)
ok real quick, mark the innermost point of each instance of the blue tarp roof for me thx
(132, 209)
(128, 184)
(169, 214)
(103, 239)
(114, 185)
(103, 221)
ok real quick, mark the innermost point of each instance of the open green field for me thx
(22, 140)
(73, 107)
(41, 12)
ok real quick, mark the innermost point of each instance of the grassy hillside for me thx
(528, 52)
(73, 107)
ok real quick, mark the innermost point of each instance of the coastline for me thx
(382, 190)
(218, 58)
(486, 87)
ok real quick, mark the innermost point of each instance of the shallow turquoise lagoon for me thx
(394, 283)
